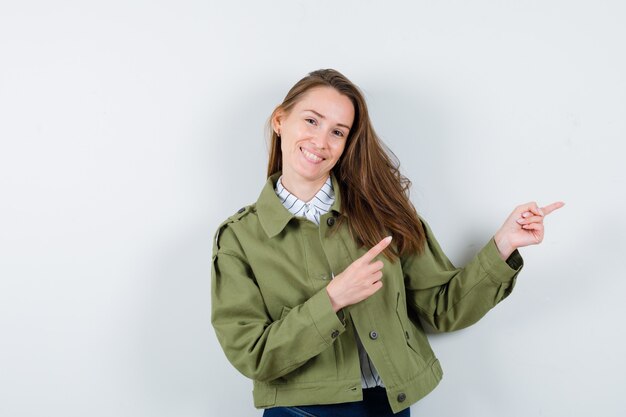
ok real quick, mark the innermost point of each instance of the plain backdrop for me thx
(130, 129)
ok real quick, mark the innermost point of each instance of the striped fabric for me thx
(319, 205)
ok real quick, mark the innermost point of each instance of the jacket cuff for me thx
(324, 318)
(498, 269)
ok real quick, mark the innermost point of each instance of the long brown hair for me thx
(374, 195)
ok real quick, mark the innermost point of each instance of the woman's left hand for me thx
(523, 227)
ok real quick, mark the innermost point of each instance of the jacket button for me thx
(330, 221)
(334, 334)
(241, 210)
(407, 335)
(401, 397)
(373, 335)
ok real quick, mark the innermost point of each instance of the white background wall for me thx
(130, 129)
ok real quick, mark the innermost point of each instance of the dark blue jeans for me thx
(374, 404)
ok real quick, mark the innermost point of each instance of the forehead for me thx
(328, 102)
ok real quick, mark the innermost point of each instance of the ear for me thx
(277, 119)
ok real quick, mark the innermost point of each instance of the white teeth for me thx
(311, 157)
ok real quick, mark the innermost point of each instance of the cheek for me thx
(288, 142)
(338, 149)
(295, 135)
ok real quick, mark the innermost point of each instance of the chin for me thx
(309, 175)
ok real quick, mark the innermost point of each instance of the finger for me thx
(374, 267)
(376, 286)
(551, 207)
(533, 219)
(531, 207)
(533, 226)
(534, 208)
(536, 230)
(375, 277)
(376, 250)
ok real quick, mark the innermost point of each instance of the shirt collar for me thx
(320, 203)
(273, 215)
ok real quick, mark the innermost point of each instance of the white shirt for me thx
(320, 204)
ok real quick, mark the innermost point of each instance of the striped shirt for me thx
(320, 204)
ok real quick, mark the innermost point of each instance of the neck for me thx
(305, 190)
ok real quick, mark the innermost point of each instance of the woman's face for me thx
(313, 134)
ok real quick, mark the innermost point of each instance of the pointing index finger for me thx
(376, 250)
(551, 207)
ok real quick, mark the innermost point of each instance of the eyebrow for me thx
(321, 116)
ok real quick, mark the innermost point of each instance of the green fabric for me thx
(274, 320)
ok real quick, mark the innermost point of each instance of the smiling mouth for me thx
(311, 157)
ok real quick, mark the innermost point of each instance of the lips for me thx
(311, 157)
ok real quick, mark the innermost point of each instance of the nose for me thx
(320, 139)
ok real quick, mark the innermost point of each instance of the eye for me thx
(311, 121)
(338, 133)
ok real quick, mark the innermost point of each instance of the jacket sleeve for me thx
(259, 347)
(450, 298)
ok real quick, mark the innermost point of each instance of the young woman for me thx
(319, 288)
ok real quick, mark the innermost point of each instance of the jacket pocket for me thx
(409, 337)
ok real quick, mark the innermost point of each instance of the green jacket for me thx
(274, 320)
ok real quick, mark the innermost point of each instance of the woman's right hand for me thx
(359, 280)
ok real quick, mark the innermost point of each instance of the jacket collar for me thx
(273, 215)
